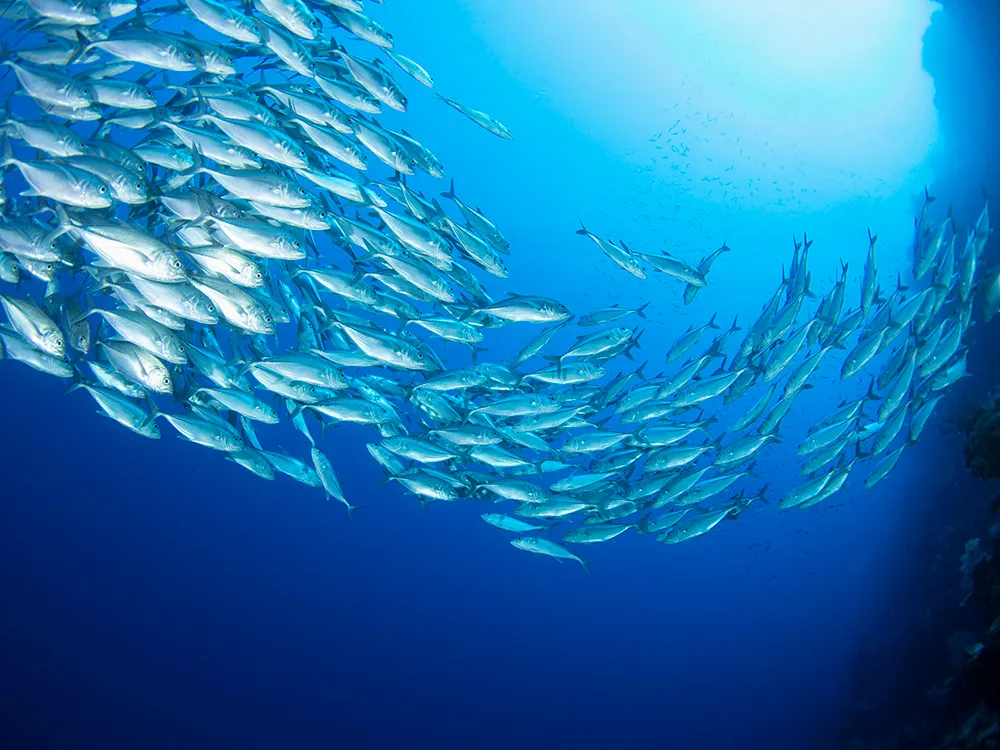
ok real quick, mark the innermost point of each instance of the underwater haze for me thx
(158, 596)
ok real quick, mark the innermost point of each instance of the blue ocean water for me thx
(157, 596)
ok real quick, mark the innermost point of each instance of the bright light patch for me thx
(797, 104)
(812, 41)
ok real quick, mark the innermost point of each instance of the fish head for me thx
(71, 143)
(53, 343)
(168, 265)
(118, 8)
(379, 413)
(279, 312)
(545, 401)
(250, 275)
(162, 383)
(288, 243)
(80, 337)
(92, 192)
(524, 542)
(306, 392)
(295, 194)
(182, 57)
(228, 441)
(395, 98)
(175, 351)
(491, 436)
(434, 168)
(475, 375)
(142, 95)
(220, 63)
(201, 310)
(445, 290)
(555, 310)
(9, 270)
(259, 320)
(294, 155)
(131, 188)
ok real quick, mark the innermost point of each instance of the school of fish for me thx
(192, 248)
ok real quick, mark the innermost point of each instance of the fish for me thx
(694, 526)
(507, 523)
(481, 119)
(411, 68)
(527, 309)
(34, 325)
(126, 412)
(620, 255)
(192, 247)
(326, 474)
(595, 533)
(539, 546)
(211, 433)
(20, 350)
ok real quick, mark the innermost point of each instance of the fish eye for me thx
(211, 308)
(181, 349)
(103, 189)
(48, 266)
(258, 275)
(302, 191)
(138, 186)
(296, 244)
(267, 318)
(166, 380)
(59, 342)
(177, 264)
(420, 355)
(52, 244)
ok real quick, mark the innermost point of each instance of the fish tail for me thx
(78, 380)
(641, 311)
(450, 192)
(87, 312)
(82, 46)
(8, 154)
(807, 291)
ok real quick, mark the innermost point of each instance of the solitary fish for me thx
(544, 547)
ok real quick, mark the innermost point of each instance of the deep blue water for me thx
(156, 596)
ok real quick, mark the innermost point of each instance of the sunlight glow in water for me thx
(827, 98)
